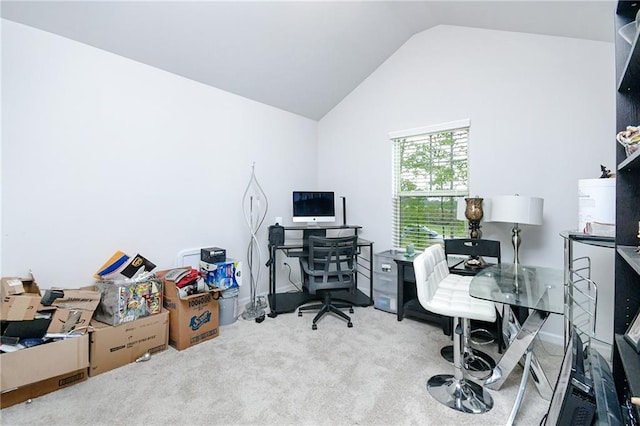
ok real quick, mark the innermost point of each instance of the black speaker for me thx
(573, 401)
(276, 235)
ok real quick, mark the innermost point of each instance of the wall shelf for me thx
(629, 254)
(630, 75)
(630, 79)
(631, 162)
(631, 363)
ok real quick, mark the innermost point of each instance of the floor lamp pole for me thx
(254, 215)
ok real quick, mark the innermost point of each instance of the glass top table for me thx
(532, 287)
(541, 292)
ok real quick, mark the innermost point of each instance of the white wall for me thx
(542, 113)
(100, 153)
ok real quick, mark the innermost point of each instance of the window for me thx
(430, 174)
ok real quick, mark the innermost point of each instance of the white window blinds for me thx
(430, 174)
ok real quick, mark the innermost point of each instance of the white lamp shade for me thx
(516, 209)
(462, 207)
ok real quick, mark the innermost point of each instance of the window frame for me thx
(456, 227)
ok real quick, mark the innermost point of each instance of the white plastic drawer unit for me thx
(385, 294)
(385, 283)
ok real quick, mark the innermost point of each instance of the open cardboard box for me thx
(74, 311)
(35, 371)
(114, 346)
(43, 387)
(13, 285)
(193, 319)
(29, 367)
(20, 299)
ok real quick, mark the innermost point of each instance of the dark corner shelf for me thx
(630, 362)
(630, 80)
(631, 162)
(627, 9)
(630, 255)
(626, 301)
(630, 76)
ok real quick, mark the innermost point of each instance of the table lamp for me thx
(474, 210)
(519, 210)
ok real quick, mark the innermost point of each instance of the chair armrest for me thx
(305, 264)
(305, 267)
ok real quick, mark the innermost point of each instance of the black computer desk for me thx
(294, 246)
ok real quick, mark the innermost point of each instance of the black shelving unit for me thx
(626, 362)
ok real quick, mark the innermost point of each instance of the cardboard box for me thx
(38, 363)
(114, 346)
(11, 286)
(19, 308)
(43, 387)
(22, 306)
(74, 311)
(193, 319)
(123, 302)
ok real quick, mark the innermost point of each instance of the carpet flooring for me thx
(280, 372)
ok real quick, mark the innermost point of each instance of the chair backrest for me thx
(430, 267)
(473, 247)
(331, 263)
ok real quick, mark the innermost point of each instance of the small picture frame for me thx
(633, 333)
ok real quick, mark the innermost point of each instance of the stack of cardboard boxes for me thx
(37, 370)
(87, 347)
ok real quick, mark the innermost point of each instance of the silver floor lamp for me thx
(254, 207)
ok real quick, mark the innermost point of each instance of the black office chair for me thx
(331, 265)
(471, 255)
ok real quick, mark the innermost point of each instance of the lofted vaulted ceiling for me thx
(301, 56)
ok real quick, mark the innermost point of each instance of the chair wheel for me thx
(349, 324)
(299, 313)
(314, 327)
(350, 310)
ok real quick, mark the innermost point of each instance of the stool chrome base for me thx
(479, 364)
(460, 394)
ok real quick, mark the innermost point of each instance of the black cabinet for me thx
(626, 361)
(408, 304)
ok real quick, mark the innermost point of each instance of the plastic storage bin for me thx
(385, 281)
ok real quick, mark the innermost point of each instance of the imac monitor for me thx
(314, 206)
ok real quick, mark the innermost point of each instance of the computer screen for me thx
(314, 206)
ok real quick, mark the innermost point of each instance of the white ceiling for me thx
(301, 56)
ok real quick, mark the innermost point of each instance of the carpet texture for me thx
(280, 372)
